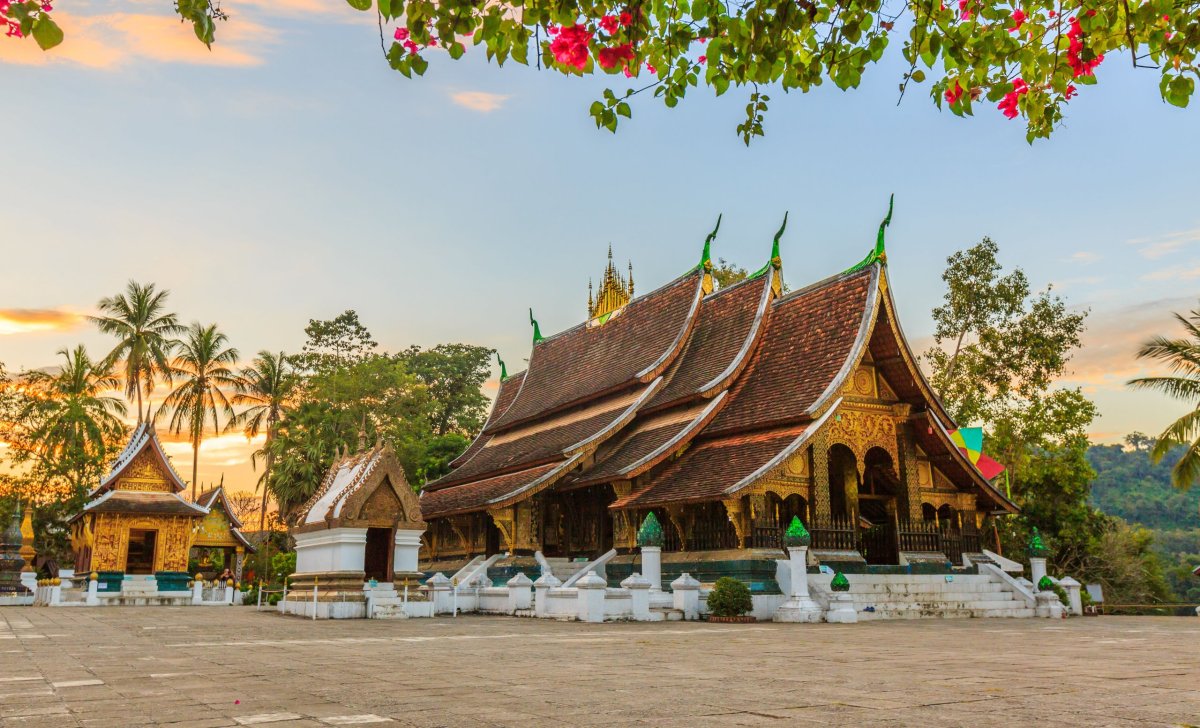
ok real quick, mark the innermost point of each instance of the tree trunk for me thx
(195, 462)
(138, 384)
(262, 516)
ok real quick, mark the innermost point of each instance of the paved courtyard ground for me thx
(222, 666)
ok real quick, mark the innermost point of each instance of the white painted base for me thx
(325, 610)
(841, 609)
(799, 609)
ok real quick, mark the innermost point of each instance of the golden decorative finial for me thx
(615, 290)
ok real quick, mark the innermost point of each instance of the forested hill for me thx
(1130, 486)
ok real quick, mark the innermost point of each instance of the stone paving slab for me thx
(212, 667)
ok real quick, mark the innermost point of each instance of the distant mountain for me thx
(1128, 485)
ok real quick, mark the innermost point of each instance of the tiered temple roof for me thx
(695, 393)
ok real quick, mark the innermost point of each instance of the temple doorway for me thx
(492, 542)
(377, 559)
(140, 559)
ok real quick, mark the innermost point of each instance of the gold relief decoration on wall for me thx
(924, 474)
(382, 509)
(503, 518)
(737, 517)
(144, 473)
(213, 530)
(797, 465)
(861, 431)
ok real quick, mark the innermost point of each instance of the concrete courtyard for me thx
(223, 666)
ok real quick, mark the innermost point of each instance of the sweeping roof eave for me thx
(986, 486)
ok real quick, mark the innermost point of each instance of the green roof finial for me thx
(879, 254)
(797, 534)
(774, 261)
(503, 369)
(1037, 547)
(537, 330)
(651, 533)
(706, 256)
(840, 583)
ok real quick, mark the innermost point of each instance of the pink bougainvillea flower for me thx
(1075, 48)
(651, 68)
(609, 24)
(627, 72)
(4, 7)
(1008, 105)
(432, 42)
(401, 34)
(1070, 92)
(610, 57)
(1054, 13)
(954, 94)
(702, 39)
(552, 30)
(47, 7)
(411, 47)
(1018, 17)
(626, 18)
(570, 46)
(703, 59)
(963, 11)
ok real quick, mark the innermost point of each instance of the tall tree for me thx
(1182, 358)
(336, 343)
(265, 389)
(454, 375)
(145, 333)
(205, 368)
(65, 423)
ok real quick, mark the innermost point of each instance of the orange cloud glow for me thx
(30, 320)
(109, 41)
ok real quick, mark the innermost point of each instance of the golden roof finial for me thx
(614, 292)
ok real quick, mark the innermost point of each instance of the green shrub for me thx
(1062, 595)
(729, 598)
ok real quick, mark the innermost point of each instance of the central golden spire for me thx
(615, 291)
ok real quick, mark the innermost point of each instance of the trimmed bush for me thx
(729, 598)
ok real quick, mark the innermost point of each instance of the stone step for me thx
(990, 586)
(947, 614)
(941, 604)
(928, 596)
(668, 613)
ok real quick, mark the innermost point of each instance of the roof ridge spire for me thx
(879, 253)
(503, 369)
(706, 265)
(537, 330)
(775, 261)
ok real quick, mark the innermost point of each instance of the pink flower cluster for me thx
(570, 45)
(1008, 105)
(1079, 66)
(404, 36)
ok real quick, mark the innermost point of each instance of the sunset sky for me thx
(288, 174)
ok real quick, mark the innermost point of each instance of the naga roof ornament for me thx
(879, 254)
(503, 369)
(537, 330)
(706, 264)
(775, 261)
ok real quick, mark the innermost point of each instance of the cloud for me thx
(29, 320)
(110, 41)
(1157, 246)
(1084, 257)
(215, 451)
(1108, 357)
(1174, 273)
(480, 101)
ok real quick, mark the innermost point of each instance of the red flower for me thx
(552, 30)
(609, 24)
(432, 42)
(703, 59)
(626, 18)
(46, 7)
(1008, 105)
(1054, 13)
(1091, 13)
(1018, 17)
(570, 46)
(1075, 48)
(651, 68)
(963, 12)
(1070, 92)
(610, 57)
(954, 94)
(627, 72)
(401, 34)
(411, 47)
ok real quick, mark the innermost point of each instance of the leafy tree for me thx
(726, 273)
(439, 452)
(335, 344)
(204, 366)
(145, 334)
(264, 389)
(1129, 485)
(1182, 358)
(998, 350)
(1029, 60)
(454, 375)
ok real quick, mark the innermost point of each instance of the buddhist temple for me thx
(221, 529)
(136, 531)
(725, 412)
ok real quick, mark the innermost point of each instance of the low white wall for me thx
(338, 549)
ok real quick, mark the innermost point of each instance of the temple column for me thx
(624, 529)
(737, 516)
(820, 477)
(909, 476)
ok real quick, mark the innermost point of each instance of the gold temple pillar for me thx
(27, 551)
(624, 525)
(820, 477)
(505, 521)
(737, 517)
(909, 474)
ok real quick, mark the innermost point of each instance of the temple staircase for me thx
(562, 567)
(916, 596)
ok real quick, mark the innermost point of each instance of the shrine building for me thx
(725, 412)
(136, 530)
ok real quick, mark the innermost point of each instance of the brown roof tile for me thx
(476, 495)
(725, 321)
(707, 469)
(586, 361)
(123, 501)
(504, 398)
(809, 338)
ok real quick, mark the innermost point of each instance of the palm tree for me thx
(71, 423)
(204, 365)
(145, 336)
(267, 388)
(1182, 357)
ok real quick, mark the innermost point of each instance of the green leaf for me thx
(360, 4)
(624, 110)
(204, 28)
(385, 8)
(46, 32)
(456, 50)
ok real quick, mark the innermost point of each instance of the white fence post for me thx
(687, 596)
(93, 597)
(519, 595)
(591, 597)
(542, 586)
(639, 596)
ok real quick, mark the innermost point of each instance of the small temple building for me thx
(362, 524)
(221, 529)
(725, 412)
(136, 524)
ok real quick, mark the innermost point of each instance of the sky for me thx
(289, 174)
